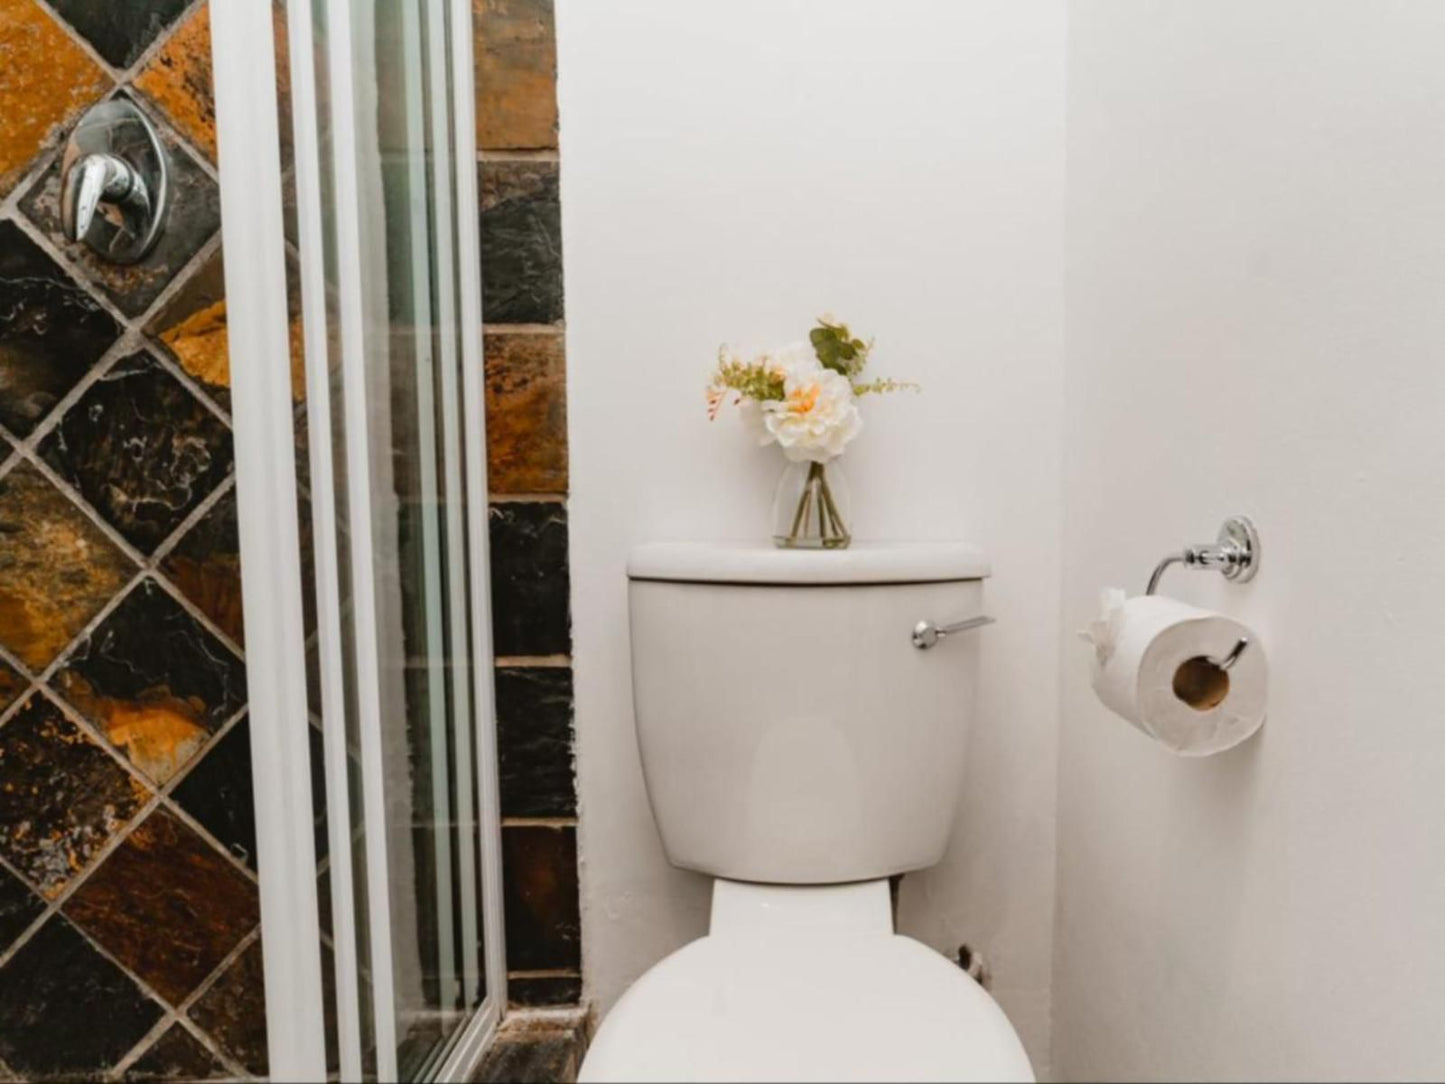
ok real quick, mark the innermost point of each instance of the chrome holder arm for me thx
(1234, 554)
(926, 633)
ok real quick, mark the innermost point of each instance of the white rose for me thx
(817, 416)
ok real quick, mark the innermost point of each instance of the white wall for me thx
(730, 169)
(1256, 256)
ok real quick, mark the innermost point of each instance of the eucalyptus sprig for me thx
(837, 349)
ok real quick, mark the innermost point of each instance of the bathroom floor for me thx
(536, 1051)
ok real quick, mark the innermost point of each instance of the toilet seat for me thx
(797, 1000)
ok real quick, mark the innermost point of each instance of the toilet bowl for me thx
(799, 747)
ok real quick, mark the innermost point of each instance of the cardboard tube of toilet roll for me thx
(1160, 673)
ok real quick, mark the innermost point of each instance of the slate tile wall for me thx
(525, 342)
(129, 938)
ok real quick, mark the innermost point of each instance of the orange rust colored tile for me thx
(178, 80)
(526, 413)
(56, 568)
(46, 79)
(199, 344)
(516, 61)
(159, 733)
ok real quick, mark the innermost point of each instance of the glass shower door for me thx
(392, 495)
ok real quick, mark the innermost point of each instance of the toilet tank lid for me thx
(861, 563)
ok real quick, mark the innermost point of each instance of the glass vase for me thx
(811, 507)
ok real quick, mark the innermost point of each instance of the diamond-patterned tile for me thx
(69, 1012)
(57, 568)
(62, 797)
(46, 79)
(233, 1010)
(206, 565)
(120, 32)
(217, 793)
(140, 448)
(193, 218)
(154, 681)
(176, 1055)
(192, 326)
(19, 907)
(167, 905)
(178, 81)
(51, 331)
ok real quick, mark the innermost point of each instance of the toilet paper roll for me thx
(1156, 665)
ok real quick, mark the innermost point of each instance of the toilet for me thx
(800, 747)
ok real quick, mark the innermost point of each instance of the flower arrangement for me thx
(803, 397)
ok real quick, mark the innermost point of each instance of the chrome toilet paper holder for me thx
(1234, 554)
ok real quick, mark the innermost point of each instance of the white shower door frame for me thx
(248, 131)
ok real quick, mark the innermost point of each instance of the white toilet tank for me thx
(790, 730)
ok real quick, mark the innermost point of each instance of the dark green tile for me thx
(521, 229)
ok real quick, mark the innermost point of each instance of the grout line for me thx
(171, 365)
(73, 271)
(526, 498)
(139, 1050)
(532, 662)
(53, 906)
(75, 35)
(236, 1069)
(10, 204)
(194, 516)
(536, 154)
(178, 282)
(539, 822)
(162, 39)
(80, 39)
(179, 598)
(558, 329)
(117, 352)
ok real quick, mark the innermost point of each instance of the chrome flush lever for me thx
(926, 633)
(115, 187)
